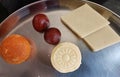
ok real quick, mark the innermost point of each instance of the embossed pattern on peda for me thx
(66, 57)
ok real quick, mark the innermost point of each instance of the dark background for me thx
(9, 6)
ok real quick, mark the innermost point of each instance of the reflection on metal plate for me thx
(104, 63)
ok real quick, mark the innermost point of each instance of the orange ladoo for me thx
(15, 49)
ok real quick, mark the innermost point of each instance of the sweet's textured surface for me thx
(66, 57)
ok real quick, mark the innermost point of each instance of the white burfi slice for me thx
(84, 20)
(102, 38)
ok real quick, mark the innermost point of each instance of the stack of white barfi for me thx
(92, 27)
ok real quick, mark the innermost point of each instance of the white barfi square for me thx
(84, 20)
(102, 38)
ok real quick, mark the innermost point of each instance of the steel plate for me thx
(105, 63)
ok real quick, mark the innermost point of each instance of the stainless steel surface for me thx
(104, 63)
